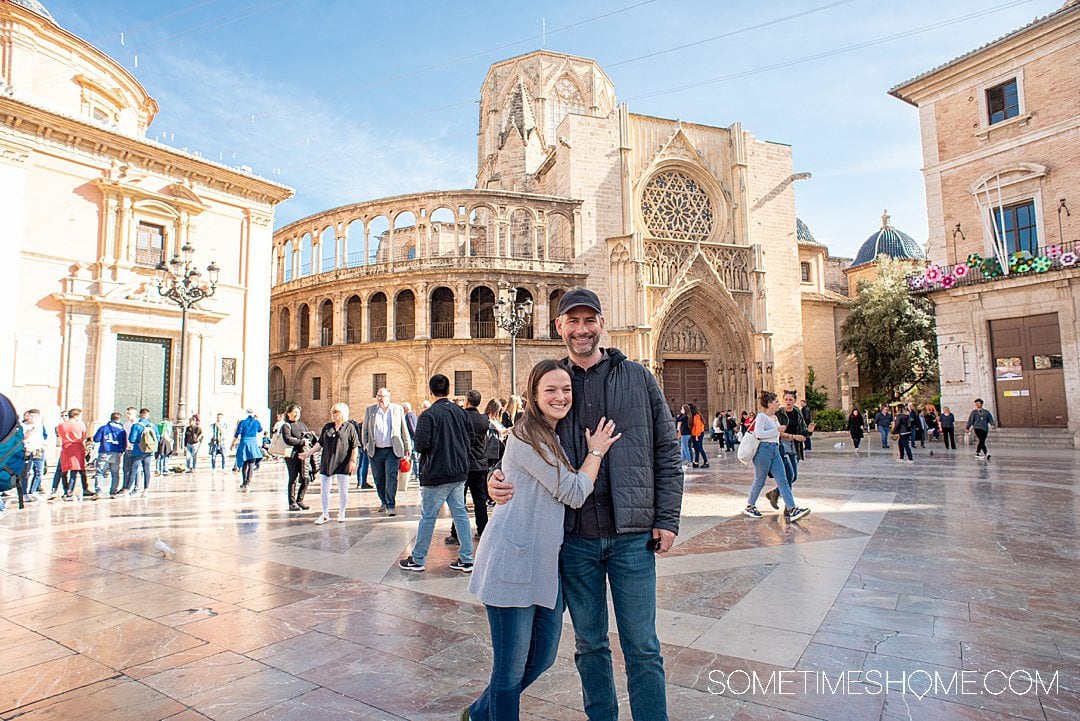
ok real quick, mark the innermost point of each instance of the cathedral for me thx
(687, 233)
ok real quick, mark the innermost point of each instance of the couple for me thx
(561, 536)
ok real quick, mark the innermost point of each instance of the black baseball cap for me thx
(579, 297)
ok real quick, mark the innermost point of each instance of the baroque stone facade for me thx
(685, 231)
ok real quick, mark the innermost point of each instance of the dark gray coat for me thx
(644, 470)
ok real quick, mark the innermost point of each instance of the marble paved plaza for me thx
(927, 591)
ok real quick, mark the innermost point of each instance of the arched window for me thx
(328, 249)
(288, 260)
(377, 317)
(405, 315)
(553, 311)
(326, 323)
(527, 330)
(283, 330)
(353, 310)
(674, 205)
(442, 313)
(306, 255)
(565, 100)
(482, 313)
(305, 326)
(277, 388)
(521, 234)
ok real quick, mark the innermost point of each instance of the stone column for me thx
(461, 309)
(423, 311)
(541, 312)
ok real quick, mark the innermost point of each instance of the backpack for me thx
(148, 441)
(12, 458)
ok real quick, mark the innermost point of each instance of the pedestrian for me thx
(246, 444)
(930, 422)
(340, 448)
(855, 428)
(193, 436)
(517, 565)
(980, 421)
(410, 423)
(770, 431)
(915, 423)
(111, 443)
(697, 436)
(495, 441)
(717, 430)
(34, 437)
(947, 424)
(298, 437)
(386, 441)
(443, 441)
(610, 543)
(731, 427)
(686, 438)
(902, 429)
(883, 421)
(219, 431)
(165, 446)
(72, 437)
(794, 427)
(476, 482)
(808, 417)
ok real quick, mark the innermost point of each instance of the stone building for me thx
(687, 232)
(90, 206)
(1001, 157)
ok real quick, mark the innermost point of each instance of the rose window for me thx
(675, 206)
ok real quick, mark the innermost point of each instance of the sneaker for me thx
(52, 497)
(752, 511)
(382, 508)
(366, 487)
(322, 519)
(68, 497)
(462, 566)
(797, 513)
(408, 564)
(705, 464)
(694, 465)
(341, 517)
(92, 496)
(390, 512)
(294, 507)
(451, 541)
(303, 507)
(774, 498)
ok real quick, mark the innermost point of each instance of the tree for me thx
(815, 395)
(891, 333)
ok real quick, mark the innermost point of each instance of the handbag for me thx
(278, 446)
(748, 446)
(404, 465)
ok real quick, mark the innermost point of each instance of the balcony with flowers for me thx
(979, 270)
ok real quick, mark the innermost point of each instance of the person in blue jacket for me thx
(246, 443)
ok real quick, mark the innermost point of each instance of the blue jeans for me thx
(140, 465)
(161, 463)
(791, 465)
(884, 430)
(34, 470)
(362, 471)
(432, 499)
(384, 469)
(905, 445)
(586, 567)
(217, 450)
(524, 642)
(729, 440)
(684, 444)
(766, 460)
(192, 454)
(108, 464)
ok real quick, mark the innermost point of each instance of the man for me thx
(34, 437)
(386, 441)
(883, 422)
(478, 465)
(442, 437)
(141, 454)
(611, 540)
(410, 423)
(111, 443)
(132, 417)
(730, 424)
(981, 421)
(808, 417)
(364, 462)
(219, 431)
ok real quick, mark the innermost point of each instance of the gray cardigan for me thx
(517, 561)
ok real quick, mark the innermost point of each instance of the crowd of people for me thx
(911, 424)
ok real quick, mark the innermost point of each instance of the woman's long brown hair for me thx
(533, 428)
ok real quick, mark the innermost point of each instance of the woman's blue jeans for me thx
(524, 641)
(766, 460)
(905, 445)
(684, 444)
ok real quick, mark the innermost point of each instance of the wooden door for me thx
(686, 381)
(1029, 377)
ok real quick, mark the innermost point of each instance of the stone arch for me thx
(302, 369)
(442, 312)
(405, 315)
(327, 249)
(444, 232)
(483, 230)
(522, 233)
(303, 319)
(484, 359)
(527, 331)
(306, 260)
(482, 312)
(284, 328)
(326, 322)
(278, 388)
(356, 391)
(354, 314)
(406, 236)
(560, 236)
(377, 317)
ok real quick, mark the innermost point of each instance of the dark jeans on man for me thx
(477, 486)
(949, 436)
(981, 433)
(525, 642)
(384, 469)
(587, 567)
(884, 431)
(729, 440)
(140, 465)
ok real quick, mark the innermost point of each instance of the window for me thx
(378, 380)
(1003, 101)
(1020, 228)
(804, 268)
(674, 205)
(149, 244)
(316, 388)
(462, 382)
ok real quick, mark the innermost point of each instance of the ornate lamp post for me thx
(181, 282)
(512, 316)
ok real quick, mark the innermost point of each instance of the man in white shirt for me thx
(385, 438)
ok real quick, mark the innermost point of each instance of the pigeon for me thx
(163, 548)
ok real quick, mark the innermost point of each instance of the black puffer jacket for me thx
(442, 438)
(643, 466)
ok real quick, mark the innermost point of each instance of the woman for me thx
(512, 411)
(947, 425)
(495, 442)
(193, 436)
(165, 446)
(340, 446)
(718, 429)
(769, 432)
(297, 436)
(517, 563)
(901, 428)
(72, 436)
(917, 434)
(682, 427)
(246, 443)
(930, 421)
(697, 436)
(855, 428)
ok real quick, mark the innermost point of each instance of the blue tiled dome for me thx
(35, 7)
(888, 241)
(803, 234)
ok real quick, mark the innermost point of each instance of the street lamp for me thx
(181, 282)
(512, 316)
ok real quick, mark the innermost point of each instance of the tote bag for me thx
(748, 446)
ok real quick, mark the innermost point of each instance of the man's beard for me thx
(593, 345)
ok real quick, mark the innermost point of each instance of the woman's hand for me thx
(604, 436)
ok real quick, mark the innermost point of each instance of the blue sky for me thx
(350, 101)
